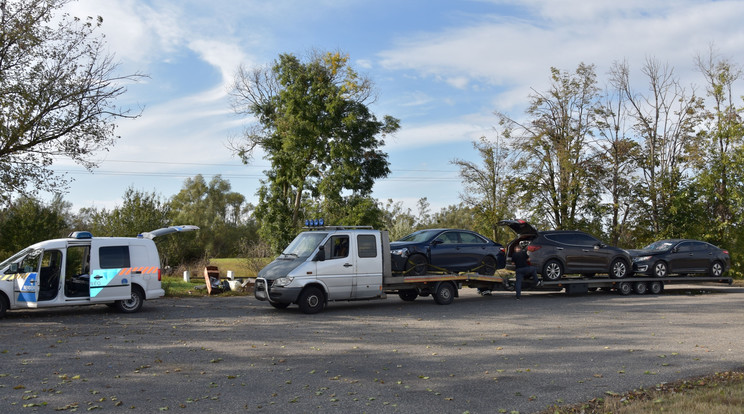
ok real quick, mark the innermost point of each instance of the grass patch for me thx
(719, 393)
(175, 286)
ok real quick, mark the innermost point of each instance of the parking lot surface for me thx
(478, 355)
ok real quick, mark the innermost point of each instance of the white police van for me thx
(84, 270)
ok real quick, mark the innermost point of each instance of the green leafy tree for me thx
(314, 126)
(27, 221)
(719, 159)
(218, 212)
(139, 212)
(57, 92)
(397, 219)
(486, 187)
(555, 160)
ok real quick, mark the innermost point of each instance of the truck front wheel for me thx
(445, 294)
(311, 300)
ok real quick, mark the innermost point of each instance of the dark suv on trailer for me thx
(558, 252)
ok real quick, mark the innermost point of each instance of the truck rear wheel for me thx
(311, 300)
(408, 295)
(655, 287)
(640, 287)
(445, 294)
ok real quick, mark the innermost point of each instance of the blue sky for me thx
(441, 67)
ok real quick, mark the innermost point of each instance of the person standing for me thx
(522, 267)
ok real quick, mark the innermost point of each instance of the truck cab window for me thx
(337, 247)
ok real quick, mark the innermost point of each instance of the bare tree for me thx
(57, 92)
(664, 121)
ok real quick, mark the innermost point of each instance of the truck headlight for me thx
(283, 281)
(400, 252)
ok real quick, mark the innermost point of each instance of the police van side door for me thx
(111, 272)
(26, 280)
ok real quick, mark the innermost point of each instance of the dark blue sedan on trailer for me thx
(446, 250)
(680, 256)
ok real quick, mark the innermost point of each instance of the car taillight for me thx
(502, 250)
(533, 248)
(725, 252)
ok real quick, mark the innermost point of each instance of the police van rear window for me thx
(114, 257)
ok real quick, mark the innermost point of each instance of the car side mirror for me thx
(320, 256)
(436, 242)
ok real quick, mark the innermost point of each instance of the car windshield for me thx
(659, 245)
(13, 259)
(419, 236)
(304, 244)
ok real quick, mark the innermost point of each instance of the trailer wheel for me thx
(416, 265)
(618, 269)
(660, 269)
(624, 288)
(655, 287)
(716, 269)
(408, 295)
(640, 287)
(445, 294)
(311, 300)
(279, 305)
(553, 270)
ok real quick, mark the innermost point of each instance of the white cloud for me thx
(436, 133)
(513, 51)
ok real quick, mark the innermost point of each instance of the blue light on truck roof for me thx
(81, 235)
(314, 223)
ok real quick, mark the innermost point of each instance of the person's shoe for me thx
(485, 292)
(518, 298)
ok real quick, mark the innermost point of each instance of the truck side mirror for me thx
(320, 256)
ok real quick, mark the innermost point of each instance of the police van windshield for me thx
(5, 265)
(304, 244)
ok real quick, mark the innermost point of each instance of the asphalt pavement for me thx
(479, 355)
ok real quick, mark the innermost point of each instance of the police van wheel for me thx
(134, 303)
(3, 305)
(311, 300)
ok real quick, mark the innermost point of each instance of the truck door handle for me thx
(348, 265)
(559, 248)
(97, 277)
